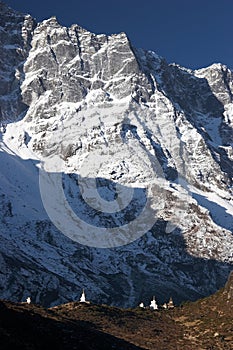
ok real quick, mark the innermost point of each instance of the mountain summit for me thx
(116, 168)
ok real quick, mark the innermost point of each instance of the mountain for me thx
(116, 169)
(205, 324)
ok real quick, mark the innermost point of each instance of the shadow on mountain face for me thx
(24, 327)
(157, 263)
(164, 268)
(195, 97)
(107, 191)
(218, 213)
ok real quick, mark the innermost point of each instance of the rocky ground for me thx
(204, 324)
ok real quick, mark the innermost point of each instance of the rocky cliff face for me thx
(15, 37)
(92, 107)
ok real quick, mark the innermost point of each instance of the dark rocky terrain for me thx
(206, 324)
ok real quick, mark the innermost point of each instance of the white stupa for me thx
(83, 298)
(170, 304)
(141, 305)
(28, 300)
(153, 304)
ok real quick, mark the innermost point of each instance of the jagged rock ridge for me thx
(69, 92)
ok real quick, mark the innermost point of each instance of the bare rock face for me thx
(69, 93)
(15, 37)
(77, 63)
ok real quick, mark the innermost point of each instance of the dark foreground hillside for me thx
(205, 324)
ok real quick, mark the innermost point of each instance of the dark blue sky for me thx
(193, 33)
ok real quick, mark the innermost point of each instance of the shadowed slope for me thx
(205, 324)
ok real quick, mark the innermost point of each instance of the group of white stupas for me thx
(153, 304)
